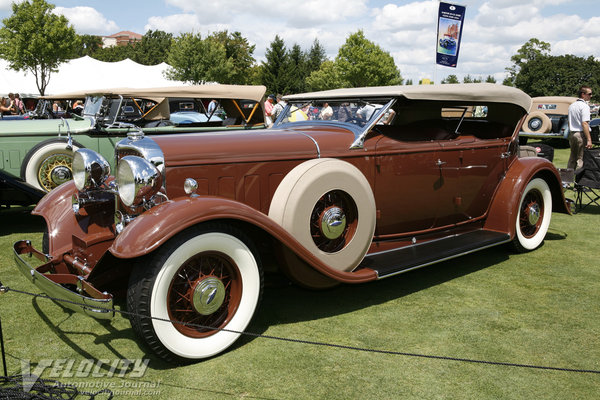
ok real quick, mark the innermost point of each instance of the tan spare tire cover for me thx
(537, 122)
(329, 207)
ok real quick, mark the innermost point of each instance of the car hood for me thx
(235, 146)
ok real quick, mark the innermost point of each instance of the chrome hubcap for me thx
(208, 296)
(333, 223)
(534, 214)
(60, 175)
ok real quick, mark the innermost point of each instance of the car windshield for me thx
(356, 113)
(92, 105)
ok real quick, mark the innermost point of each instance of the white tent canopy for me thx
(86, 73)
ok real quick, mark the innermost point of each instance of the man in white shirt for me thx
(579, 123)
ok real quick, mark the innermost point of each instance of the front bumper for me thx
(96, 304)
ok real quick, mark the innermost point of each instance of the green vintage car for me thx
(36, 155)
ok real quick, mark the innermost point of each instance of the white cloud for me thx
(6, 5)
(87, 20)
(178, 23)
(581, 46)
(411, 16)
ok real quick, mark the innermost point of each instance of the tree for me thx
(114, 53)
(471, 79)
(450, 79)
(532, 49)
(325, 78)
(558, 75)
(274, 70)
(297, 70)
(198, 60)
(153, 49)
(35, 39)
(88, 45)
(490, 79)
(315, 57)
(240, 52)
(361, 62)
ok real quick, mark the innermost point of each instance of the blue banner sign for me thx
(450, 24)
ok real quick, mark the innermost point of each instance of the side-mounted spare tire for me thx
(537, 122)
(49, 164)
(329, 207)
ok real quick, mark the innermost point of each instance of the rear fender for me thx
(505, 205)
(150, 230)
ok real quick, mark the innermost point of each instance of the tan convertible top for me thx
(161, 95)
(198, 91)
(468, 92)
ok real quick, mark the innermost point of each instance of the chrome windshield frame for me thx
(360, 140)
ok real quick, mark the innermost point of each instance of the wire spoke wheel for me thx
(532, 213)
(55, 170)
(333, 221)
(205, 291)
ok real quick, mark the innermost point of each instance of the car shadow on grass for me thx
(69, 338)
(289, 303)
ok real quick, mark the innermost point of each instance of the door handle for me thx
(439, 162)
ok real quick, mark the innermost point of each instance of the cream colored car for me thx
(548, 118)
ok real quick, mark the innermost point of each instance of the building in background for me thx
(122, 38)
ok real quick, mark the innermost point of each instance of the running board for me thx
(392, 262)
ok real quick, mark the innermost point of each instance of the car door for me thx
(408, 185)
(475, 166)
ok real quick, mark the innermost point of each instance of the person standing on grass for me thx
(579, 126)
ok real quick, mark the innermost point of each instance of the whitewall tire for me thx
(210, 279)
(533, 216)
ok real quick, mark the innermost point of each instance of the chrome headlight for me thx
(90, 169)
(138, 180)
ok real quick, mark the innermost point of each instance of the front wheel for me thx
(193, 297)
(533, 216)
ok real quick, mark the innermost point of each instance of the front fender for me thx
(505, 204)
(56, 208)
(153, 228)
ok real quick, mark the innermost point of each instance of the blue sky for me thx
(493, 29)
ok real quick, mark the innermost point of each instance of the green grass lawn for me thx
(540, 308)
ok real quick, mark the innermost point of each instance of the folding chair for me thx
(587, 180)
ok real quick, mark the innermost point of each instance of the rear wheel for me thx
(533, 217)
(208, 281)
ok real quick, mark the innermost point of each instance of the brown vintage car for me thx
(349, 186)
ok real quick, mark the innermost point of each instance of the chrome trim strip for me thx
(314, 141)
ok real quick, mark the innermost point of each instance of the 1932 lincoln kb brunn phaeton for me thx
(388, 180)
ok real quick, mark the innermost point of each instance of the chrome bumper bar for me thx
(98, 305)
